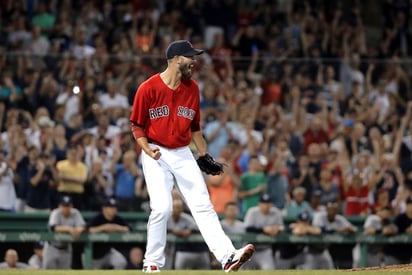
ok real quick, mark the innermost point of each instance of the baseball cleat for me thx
(150, 269)
(238, 258)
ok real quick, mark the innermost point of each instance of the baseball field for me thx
(206, 272)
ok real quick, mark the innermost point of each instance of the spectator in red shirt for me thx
(316, 133)
(356, 195)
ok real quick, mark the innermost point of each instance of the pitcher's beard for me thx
(185, 72)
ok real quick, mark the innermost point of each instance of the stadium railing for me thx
(29, 228)
(140, 237)
(137, 220)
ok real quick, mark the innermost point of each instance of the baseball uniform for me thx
(374, 257)
(399, 253)
(165, 118)
(57, 254)
(36, 260)
(11, 261)
(105, 256)
(19, 265)
(188, 255)
(318, 256)
(255, 221)
(292, 255)
(237, 227)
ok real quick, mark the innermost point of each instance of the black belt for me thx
(149, 140)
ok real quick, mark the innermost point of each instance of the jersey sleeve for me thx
(120, 221)
(317, 220)
(53, 220)
(249, 218)
(343, 222)
(95, 221)
(78, 219)
(371, 221)
(140, 105)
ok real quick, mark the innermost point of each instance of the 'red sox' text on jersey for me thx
(168, 116)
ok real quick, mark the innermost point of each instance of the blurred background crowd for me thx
(307, 101)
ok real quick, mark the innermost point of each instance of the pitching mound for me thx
(400, 268)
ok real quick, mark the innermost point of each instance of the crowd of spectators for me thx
(295, 99)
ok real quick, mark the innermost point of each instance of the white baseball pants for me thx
(159, 175)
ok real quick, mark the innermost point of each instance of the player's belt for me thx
(149, 140)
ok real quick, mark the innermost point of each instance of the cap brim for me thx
(193, 52)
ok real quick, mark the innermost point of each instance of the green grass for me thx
(199, 272)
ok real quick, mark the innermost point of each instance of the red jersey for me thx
(167, 116)
(357, 201)
(310, 137)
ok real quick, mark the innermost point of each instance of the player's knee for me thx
(201, 206)
(163, 212)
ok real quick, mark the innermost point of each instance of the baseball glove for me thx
(210, 166)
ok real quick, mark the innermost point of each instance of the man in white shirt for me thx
(81, 50)
(230, 223)
(36, 260)
(11, 261)
(105, 129)
(7, 191)
(265, 219)
(330, 221)
(112, 98)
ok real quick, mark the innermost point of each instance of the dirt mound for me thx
(400, 268)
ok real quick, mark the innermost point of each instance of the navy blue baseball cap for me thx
(265, 198)
(304, 216)
(183, 48)
(110, 203)
(66, 200)
(39, 245)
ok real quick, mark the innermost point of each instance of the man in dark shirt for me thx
(399, 253)
(24, 166)
(135, 258)
(42, 175)
(104, 255)
(325, 256)
(292, 255)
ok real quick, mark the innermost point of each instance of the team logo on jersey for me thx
(159, 112)
(163, 111)
(185, 112)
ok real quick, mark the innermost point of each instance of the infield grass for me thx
(201, 272)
